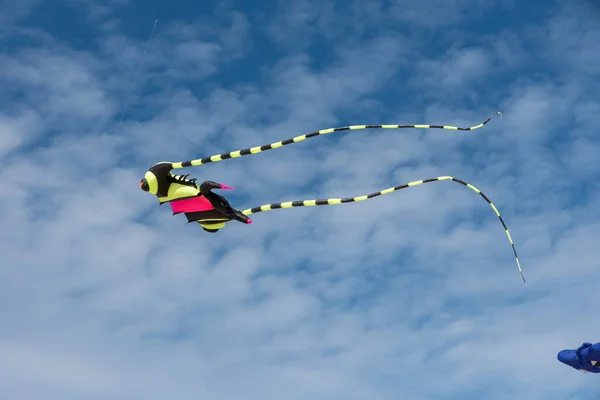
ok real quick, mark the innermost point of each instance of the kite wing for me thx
(276, 145)
(199, 203)
(210, 210)
(325, 202)
(199, 209)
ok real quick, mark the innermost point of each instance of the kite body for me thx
(198, 202)
(585, 359)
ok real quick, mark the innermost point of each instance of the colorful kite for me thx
(200, 204)
(209, 209)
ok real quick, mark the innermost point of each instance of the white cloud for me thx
(104, 294)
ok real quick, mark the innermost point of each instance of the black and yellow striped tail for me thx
(265, 147)
(326, 202)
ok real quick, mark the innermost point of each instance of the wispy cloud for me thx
(103, 294)
(13, 11)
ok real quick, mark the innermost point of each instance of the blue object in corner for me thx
(585, 359)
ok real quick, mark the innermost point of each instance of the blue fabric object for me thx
(585, 359)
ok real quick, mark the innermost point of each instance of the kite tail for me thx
(265, 147)
(325, 202)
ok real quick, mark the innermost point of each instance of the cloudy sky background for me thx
(414, 295)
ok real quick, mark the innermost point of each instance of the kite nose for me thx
(144, 185)
(568, 357)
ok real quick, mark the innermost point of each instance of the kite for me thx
(198, 202)
(585, 359)
(212, 211)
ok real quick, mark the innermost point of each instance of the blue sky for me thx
(413, 295)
